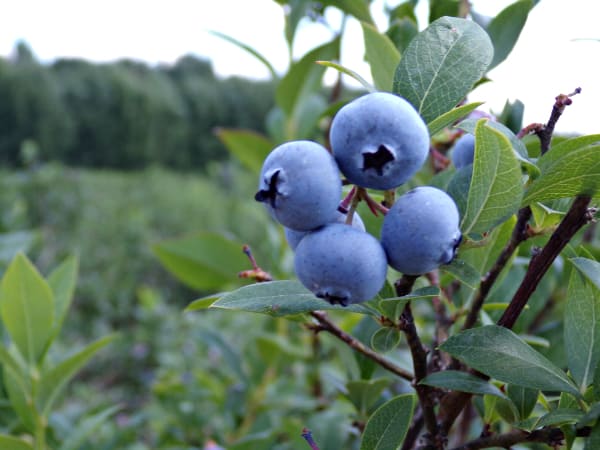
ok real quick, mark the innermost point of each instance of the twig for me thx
(307, 435)
(519, 235)
(550, 436)
(577, 216)
(325, 324)
(256, 273)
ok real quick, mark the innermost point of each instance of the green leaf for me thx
(249, 147)
(382, 56)
(304, 77)
(392, 306)
(364, 393)
(203, 261)
(463, 271)
(461, 381)
(451, 117)
(501, 354)
(13, 443)
(592, 442)
(495, 191)
(84, 429)
(441, 65)
(568, 169)
(357, 8)
(524, 399)
(402, 31)
(505, 28)
(62, 281)
(248, 49)
(582, 328)
(385, 339)
(588, 268)
(279, 298)
(387, 426)
(559, 417)
(54, 380)
(203, 302)
(27, 308)
(18, 389)
(348, 72)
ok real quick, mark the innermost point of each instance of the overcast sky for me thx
(548, 59)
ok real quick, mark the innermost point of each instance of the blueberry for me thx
(463, 151)
(420, 231)
(341, 264)
(293, 237)
(300, 185)
(379, 141)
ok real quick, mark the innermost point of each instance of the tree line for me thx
(124, 114)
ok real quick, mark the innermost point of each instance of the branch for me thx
(577, 216)
(519, 235)
(325, 324)
(550, 436)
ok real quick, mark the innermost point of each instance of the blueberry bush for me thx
(465, 313)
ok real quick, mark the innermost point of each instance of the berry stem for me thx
(256, 273)
(372, 204)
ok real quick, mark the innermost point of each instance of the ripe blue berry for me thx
(420, 231)
(379, 141)
(300, 185)
(293, 237)
(463, 151)
(341, 264)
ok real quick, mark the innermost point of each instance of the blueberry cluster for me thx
(378, 141)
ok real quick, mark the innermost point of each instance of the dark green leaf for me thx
(401, 32)
(441, 65)
(524, 399)
(27, 308)
(392, 307)
(582, 328)
(512, 115)
(440, 8)
(568, 169)
(364, 393)
(382, 56)
(279, 298)
(501, 354)
(304, 77)
(385, 339)
(249, 147)
(560, 417)
(505, 28)
(592, 442)
(461, 381)
(388, 425)
(450, 117)
(463, 271)
(591, 416)
(203, 261)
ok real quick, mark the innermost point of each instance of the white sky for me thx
(547, 60)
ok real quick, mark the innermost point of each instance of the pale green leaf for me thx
(249, 147)
(441, 65)
(350, 73)
(382, 56)
(13, 443)
(451, 117)
(385, 339)
(589, 268)
(54, 380)
(62, 281)
(27, 308)
(203, 261)
(84, 429)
